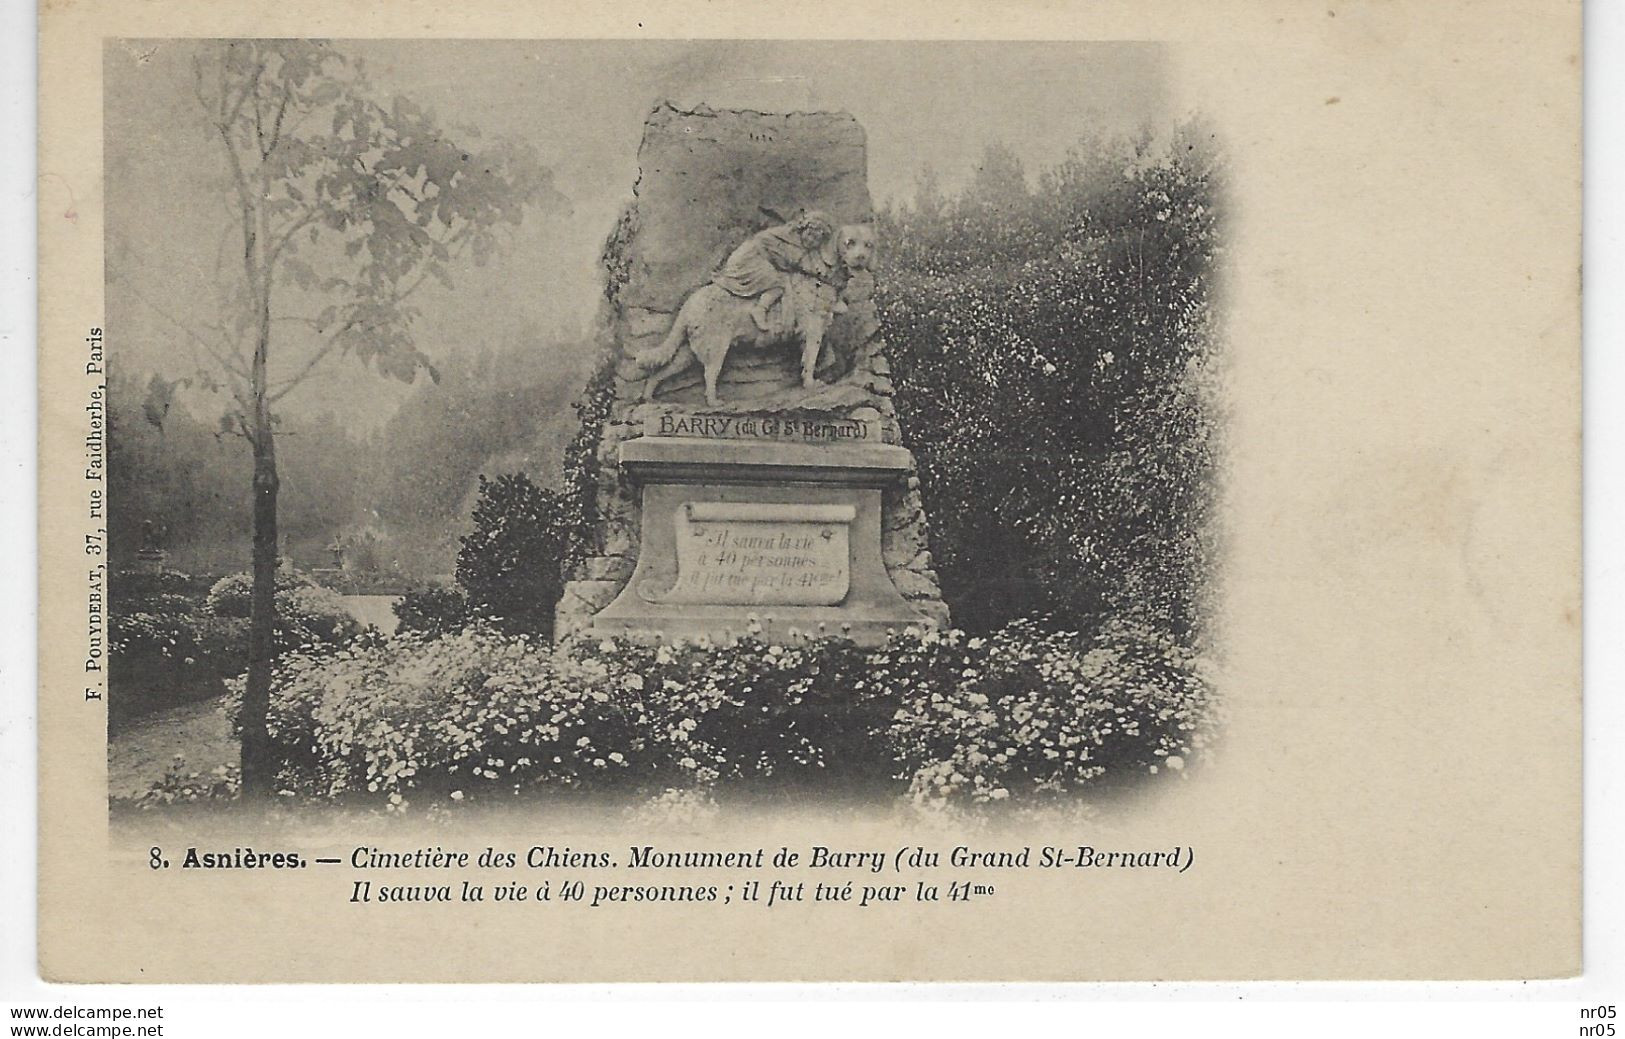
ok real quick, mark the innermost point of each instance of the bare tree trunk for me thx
(258, 764)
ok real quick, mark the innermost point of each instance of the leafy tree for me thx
(1054, 350)
(510, 564)
(342, 208)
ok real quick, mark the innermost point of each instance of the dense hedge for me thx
(944, 719)
(1054, 346)
(432, 610)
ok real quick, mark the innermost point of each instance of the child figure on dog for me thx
(756, 270)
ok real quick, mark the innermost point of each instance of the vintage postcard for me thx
(696, 492)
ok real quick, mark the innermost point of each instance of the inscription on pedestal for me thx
(790, 428)
(760, 554)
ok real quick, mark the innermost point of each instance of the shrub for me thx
(143, 586)
(163, 650)
(162, 659)
(1084, 305)
(307, 615)
(433, 610)
(171, 644)
(1022, 715)
(509, 565)
(1036, 715)
(232, 595)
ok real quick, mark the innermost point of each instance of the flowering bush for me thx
(1037, 714)
(464, 715)
(161, 657)
(476, 714)
(170, 643)
(162, 649)
(746, 709)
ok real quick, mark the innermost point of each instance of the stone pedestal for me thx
(788, 535)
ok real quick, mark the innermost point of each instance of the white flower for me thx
(1176, 762)
(456, 795)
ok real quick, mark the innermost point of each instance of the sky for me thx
(581, 104)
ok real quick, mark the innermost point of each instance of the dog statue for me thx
(713, 320)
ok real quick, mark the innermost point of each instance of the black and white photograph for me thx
(501, 423)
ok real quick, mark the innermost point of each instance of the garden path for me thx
(138, 757)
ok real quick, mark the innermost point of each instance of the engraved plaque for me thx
(760, 554)
(861, 427)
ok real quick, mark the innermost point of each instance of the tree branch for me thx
(245, 201)
(287, 236)
(220, 358)
(288, 385)
(251, 87)
(282, 110)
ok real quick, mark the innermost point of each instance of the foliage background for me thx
(1055, 351)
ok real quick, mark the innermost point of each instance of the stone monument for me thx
(750, 468)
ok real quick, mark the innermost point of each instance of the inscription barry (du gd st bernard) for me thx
(823, 429)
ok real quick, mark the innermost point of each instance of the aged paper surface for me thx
(1396, 791)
